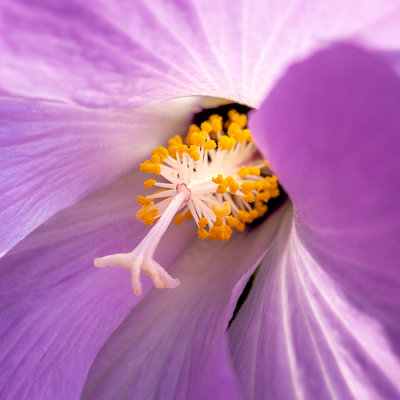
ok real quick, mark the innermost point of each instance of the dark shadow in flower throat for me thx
(273, 203)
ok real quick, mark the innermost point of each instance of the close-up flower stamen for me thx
(220, 184)
(219, 149)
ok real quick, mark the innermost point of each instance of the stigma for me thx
(214, 176)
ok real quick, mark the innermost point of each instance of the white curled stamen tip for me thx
(137, 263)
(160, 277)
(122, 260)
(99, 263)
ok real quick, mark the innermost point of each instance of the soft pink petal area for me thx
(57, 309)
(51, 155)
(298, 337)
(384, 34)
(331, 131)
(133, 53)
(174, 345)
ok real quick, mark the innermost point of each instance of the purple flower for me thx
(87, 92)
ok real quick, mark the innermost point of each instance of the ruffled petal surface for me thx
(322, 320)
(103, 53)
(174, 345)
(51, 155)
(56, 308)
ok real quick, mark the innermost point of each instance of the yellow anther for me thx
(161, 151)
(223, 142)
(266, 163)
(274, 193)
(254, 171)
(240, 119)
(254, 214)
(213, 233)
(179, 219)
(177, 148)
(156, 159)
(202, 233)
(242, 172)
(263, 196)
(216, 122)
(226, 143)
(232, 143)
(233, 185)
(231, 113)
(243, 136)
(206, 126)
(218, 222)
(221, 211)
(240, 227)
(266, 184)
(149, 183)
(220, 231)
(188, 214)
(144, 201)
(203, 222)
(259, 185)
(199, 138)
(247, 187)
(233, 130)
(193, 128)
(222, 188)
(209, 145)
(218, 179)
(226, 233)
(175, 140)
(193, 152)
(232, 221)
(150, 167)
(147, 215)
(261, 208)
(249, 197)
(244, 216)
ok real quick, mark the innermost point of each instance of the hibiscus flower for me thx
(88, 90)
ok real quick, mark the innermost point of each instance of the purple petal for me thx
(173, 346)
(298, 337)
(102, 53)
(57, 309)
(332, 135)
(51, 155)
(321, 320)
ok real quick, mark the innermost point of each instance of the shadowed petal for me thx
(134, 53)
(173, 346)
(331, 131)
(57, 309)
(51, 155)
(321, 319)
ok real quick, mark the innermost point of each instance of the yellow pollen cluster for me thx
(215, 175)
(240, 195)
(235, 117)
(219, 230)
(150, 167)
(180, 217)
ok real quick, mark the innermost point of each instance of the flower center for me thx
(216, 176)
